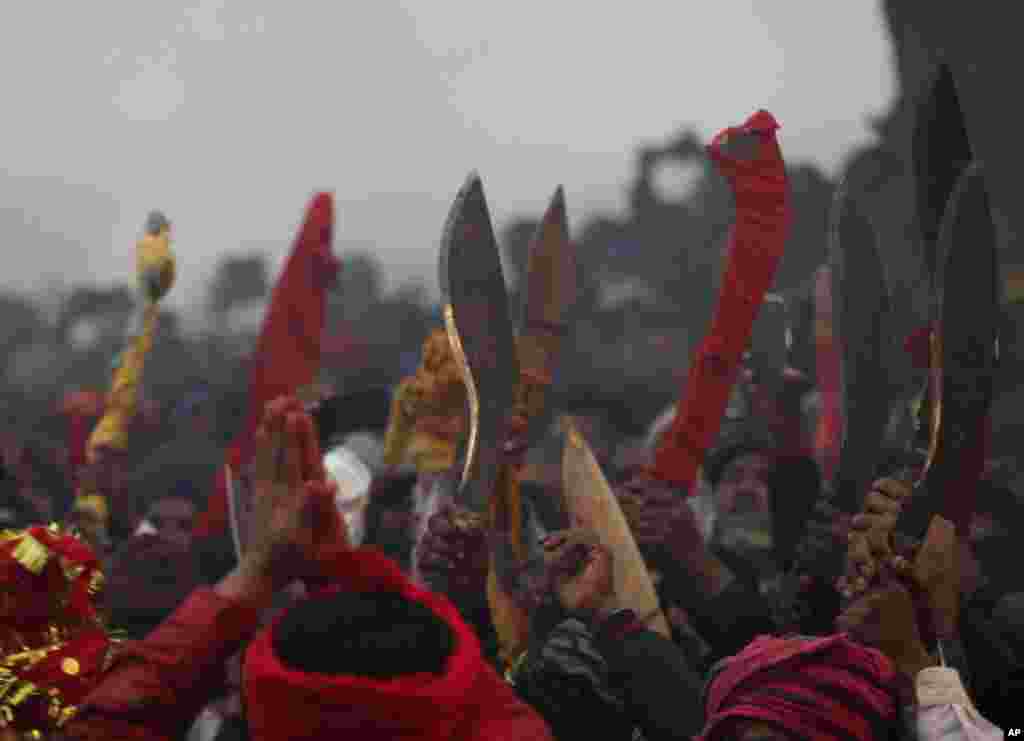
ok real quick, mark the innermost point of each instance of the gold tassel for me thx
(31, 554)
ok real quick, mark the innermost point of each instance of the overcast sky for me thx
(229, 114)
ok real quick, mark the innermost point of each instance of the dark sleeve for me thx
(661, 691)
(992, 664)
(727, 621)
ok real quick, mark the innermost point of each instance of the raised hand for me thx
(871, 536)
(456, 545)
(579, 571)
(661, 518)
(293, 516)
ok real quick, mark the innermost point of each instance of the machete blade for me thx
(968, 305)
(477, 321)
(861, 311)
(549, 295)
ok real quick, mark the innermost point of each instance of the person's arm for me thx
(508, 717)
(661, 691)
(726, 611)
(158, 685)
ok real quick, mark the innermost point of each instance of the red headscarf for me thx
(825, 689)
(286, 704)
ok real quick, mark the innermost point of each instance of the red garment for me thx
(758, 237)
(287, 354)
(158, 686)
(469, 702)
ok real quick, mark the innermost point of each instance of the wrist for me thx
(250, 582)
(711, 574)
(916, 660)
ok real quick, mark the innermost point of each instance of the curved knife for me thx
(860, 313)
(968, 305)
(549, 295)
(476, 317)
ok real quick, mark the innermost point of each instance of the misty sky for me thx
(229, 114)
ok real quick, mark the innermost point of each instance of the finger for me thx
(311, 463)
(276, 433)
(938, 553)
(263, 458)
(879, 503)
(440, 524)
(442, 547)
(275, 408)
(291, 470)
(554, 540)
(893, 488)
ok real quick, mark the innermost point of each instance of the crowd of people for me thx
(354, 596)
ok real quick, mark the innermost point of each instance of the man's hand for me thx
(870, 539)
(580, 571)
(660, 517)
(885, 619)
(293, 513)
(936, 572)
(461, 552)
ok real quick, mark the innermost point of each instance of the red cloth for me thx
(287, 354)
(823, 688)
(158, 686)
(469, 702)
(758, 237)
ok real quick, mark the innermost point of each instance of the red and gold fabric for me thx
(54, 646)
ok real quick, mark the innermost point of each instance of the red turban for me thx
(283, 703)
(813, 688)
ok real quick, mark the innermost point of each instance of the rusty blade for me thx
(549, 294)
(479, 327)
(860, 312)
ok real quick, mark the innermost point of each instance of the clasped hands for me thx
(294, 523)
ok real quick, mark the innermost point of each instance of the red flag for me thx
(757, 240)
(287, 354)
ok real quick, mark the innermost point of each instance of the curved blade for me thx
(477, 321)
(968, 306)
(941, 152)
(861, 316)
(550, 293)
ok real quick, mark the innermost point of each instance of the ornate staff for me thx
(155, 273)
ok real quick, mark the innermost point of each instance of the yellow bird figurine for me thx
(154, 260)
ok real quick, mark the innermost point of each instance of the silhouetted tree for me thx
(238, 280)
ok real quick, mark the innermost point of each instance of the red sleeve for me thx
(157, 686)
(505, 716)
